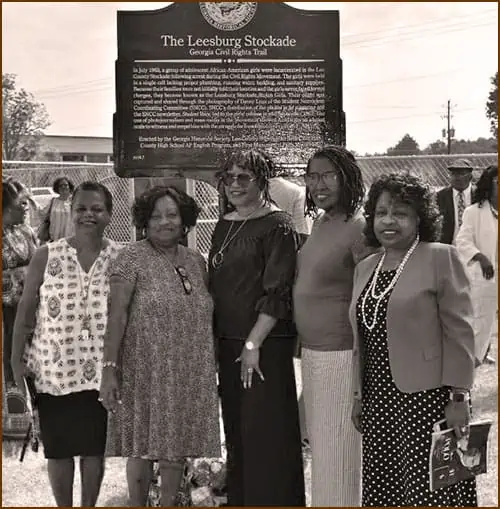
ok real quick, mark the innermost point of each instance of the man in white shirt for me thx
(291, 197)
(455, 198)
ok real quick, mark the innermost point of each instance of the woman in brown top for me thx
(322, 294)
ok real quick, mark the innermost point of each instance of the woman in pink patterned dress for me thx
(58, 340)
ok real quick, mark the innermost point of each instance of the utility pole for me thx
(449, 132)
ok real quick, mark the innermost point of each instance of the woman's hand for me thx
(457, 414)
(356, 414)
(109, 394)
(486, 265)
(249, 360)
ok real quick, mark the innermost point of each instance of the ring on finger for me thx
(249, 370)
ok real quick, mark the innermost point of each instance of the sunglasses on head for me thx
(242, 179)
(181, 272)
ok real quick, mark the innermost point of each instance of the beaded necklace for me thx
(372, 287)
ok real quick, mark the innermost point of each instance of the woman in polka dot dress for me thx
(413, 347)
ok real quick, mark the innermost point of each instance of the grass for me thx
(26, 484)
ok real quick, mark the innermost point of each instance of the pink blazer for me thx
(429, 321)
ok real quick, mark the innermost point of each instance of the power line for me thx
(416, 35)
(99, 85)
(407, 78)
(383, 119)
(419, 26)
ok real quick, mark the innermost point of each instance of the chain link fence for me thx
(42, 174)
(432, 168)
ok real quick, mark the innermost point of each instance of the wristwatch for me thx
(250, 345)
(459, 397)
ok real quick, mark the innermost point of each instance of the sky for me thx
(402, 62)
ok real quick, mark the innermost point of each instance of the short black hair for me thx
(57, 184)
(410, 190)
(91, 185)
(484, 186)
(145, 203)
(352, 188)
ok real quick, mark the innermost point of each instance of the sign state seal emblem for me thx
(228, 16)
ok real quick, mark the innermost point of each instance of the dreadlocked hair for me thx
(256, 161)
(351, 186)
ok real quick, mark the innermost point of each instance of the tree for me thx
(23, 121)
(479, 146)
(407, 146)
(492, 106)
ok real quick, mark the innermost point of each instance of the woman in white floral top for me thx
(18, 246)
(64, 309)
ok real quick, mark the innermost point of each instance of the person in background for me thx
(291, 197)
(321, 297)
(58, 211)
(411, 313)
(252, 268)
(477, 244)
(59, 340)
(18, 246)
(454, 199)
(159, 374)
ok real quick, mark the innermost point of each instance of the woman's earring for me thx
(185, 230)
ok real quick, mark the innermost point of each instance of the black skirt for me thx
(72, 425)
(261, 424)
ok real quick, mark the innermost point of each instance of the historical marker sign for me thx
(198, 80)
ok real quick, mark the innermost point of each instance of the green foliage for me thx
(492, 106)
(407, 146)
(23, 121)
(479, 146)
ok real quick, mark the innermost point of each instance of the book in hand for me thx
(452, 460)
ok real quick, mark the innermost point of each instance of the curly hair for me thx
(97, 187)
(256, 161)
(352, 188)
(144, 205)
(484, 186)
(57, 184)
(412, 191)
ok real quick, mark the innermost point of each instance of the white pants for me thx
(485, 305)
(335, 443)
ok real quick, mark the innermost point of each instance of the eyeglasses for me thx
(181, 272)
(242, 179)
(330, 178)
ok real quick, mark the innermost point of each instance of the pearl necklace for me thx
(372, 288)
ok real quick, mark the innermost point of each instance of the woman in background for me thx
(59, 339)
(413, 352)
(321, 296)
(58, 211)
(159, 377)
(18, 246)
(477, 244)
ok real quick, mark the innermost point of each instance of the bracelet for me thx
(110, 364)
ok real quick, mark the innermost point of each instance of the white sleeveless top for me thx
(62, 355)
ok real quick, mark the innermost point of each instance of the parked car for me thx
(42, 196)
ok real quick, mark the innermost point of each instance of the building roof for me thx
(432, 168)
(78, 144)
